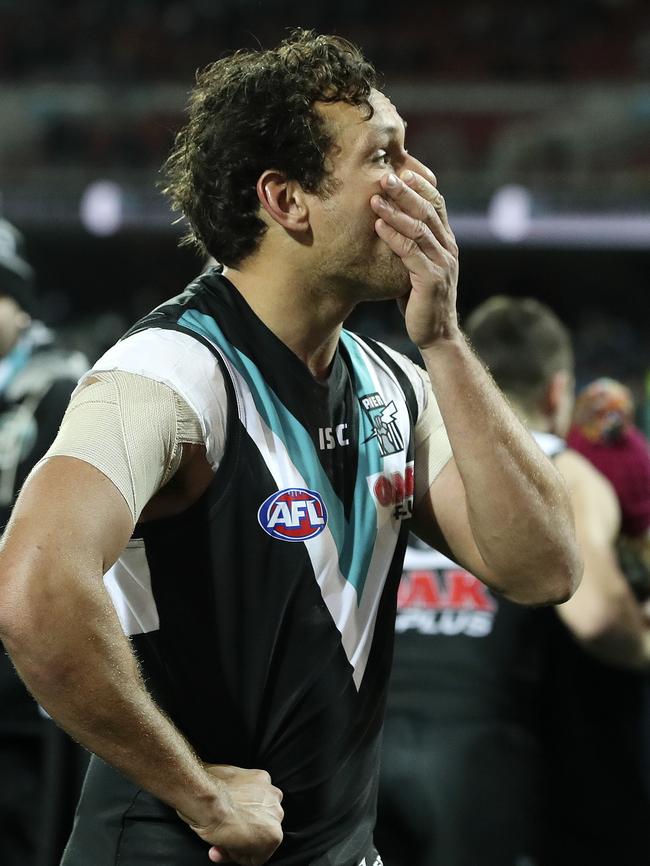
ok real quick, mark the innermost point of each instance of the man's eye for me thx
(383, 157)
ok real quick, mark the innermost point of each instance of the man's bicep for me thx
(441, 520)
(67, 512)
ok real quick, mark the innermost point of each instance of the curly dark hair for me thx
(253, 111)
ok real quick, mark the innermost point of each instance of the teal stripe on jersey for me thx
(363, 517)
(354, 552)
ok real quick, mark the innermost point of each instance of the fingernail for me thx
(391, 180)
(407, 176)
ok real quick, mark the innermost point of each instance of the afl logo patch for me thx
(294, 514)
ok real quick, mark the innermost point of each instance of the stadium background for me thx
(535, 117)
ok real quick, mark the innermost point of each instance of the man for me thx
(604, 432)
(36, 380)
(273, 464)
(602, 807)
(473, 701)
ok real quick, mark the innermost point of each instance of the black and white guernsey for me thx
(263, 615)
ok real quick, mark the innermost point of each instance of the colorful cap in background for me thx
(603, 431)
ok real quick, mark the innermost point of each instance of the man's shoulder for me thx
(201, 293)
(589, 488)
(576, 468)
(151, 347)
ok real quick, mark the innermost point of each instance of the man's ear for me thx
(551, 396)
(557, 389)
(284, 201)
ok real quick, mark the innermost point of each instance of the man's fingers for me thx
(217, 856)
(408, 227)
(421, 200)
(416, 262)
(423, 170)
(406, 249)
(431, 193)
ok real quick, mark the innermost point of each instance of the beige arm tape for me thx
(131, 428)
(432, 448)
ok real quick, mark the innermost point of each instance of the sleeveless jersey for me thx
(461, 651)
(263, 615)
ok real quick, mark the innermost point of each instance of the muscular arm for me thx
(603, 614)
(59, 626)
(500, 505)
(61, 631)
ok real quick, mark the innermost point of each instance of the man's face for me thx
(351, 257)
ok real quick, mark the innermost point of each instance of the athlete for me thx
(37, 377)
(234, 482)
(481, 706)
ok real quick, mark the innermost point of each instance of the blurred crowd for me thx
(152, 40)
(122, 47)
(98, 89)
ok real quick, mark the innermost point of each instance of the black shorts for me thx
(119, 824)
(21, 772)
(458, 794)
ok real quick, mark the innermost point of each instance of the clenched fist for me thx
(249, 826)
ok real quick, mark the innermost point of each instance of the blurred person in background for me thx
(272, 463)
(37, 378)
(475, 718)
(598, 793)
(603, 431)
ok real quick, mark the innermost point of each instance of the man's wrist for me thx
(208, 805)
(452, 348)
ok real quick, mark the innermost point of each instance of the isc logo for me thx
(294, 514)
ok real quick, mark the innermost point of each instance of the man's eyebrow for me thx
(392, 129)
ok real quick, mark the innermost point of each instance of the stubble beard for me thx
(385, 277)
(374, 275)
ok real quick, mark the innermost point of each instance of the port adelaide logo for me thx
(384, 424)
(293, 514)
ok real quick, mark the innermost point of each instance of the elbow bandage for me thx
(131, 428)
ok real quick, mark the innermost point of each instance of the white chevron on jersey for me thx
(149, 354)
(354, 617)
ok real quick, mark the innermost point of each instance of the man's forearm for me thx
(70, 651)
(504, 474)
